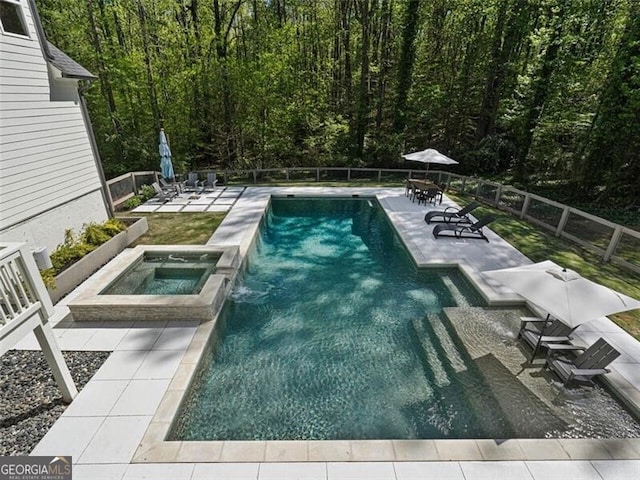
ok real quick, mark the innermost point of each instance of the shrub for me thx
(146, 192)
(74, 247)
(132, 203)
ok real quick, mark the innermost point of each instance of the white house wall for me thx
(46, 162)
(47, 229)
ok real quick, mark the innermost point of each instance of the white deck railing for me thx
(25, 306)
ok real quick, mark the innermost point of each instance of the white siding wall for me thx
(47, 229)
(46, 159)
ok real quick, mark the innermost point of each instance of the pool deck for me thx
(129, 401)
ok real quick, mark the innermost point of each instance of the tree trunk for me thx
(407, 60)
(105, 81)
(362, 114)
(540, 92)
(153, 97)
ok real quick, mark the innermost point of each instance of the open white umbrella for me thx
(563, 293)
(430, 155)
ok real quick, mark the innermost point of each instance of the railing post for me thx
(563, 221)
(525, 206)
(496, 201)
(133, 183)
(317, 174)
(379, 176)
(349, 174)
(613, 243)
(255, 177)
(448, 181)
(286, 171)
(464, 184)
(478, 188)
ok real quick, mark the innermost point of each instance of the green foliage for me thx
(146, 192)
(549, 87)
(131, 203)
(74, 247)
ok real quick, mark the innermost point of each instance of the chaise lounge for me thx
(463, 231)
(451, 215)
(581, 369)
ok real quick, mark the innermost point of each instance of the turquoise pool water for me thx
(164, 274)
(332, 333)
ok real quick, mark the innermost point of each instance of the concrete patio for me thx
(108, 426)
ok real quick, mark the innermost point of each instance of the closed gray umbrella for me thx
(166, 166)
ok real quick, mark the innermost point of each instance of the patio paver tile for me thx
(159, 471)
(99, 472)
(617, 470)
(493, 470)
(140, 338)
(121, 365)
(428, 470)
(225, 471)
(295, 471)
(116, 440)
(360, 470)
(69, 436)
(175, 338)
(141, 397)
(561, 470)
(159, 364)
(96, 399)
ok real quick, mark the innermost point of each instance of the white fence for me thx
(611, 241)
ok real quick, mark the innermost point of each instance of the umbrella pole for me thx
(535, 350)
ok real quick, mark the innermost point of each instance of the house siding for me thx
(47, 166)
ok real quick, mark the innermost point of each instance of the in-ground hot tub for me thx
(159, 283)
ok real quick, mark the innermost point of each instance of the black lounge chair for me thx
(451, 215)
(581, 369)
(463, 231)
(538, 332)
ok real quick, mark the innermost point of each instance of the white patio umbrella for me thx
(430, 155)
(563, 293)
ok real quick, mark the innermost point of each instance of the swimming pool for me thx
(332, 333)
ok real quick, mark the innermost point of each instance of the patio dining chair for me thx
(581, 369)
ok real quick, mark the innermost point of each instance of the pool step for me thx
(431, 358)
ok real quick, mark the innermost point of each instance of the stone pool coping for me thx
(91, 305)
(240, 228)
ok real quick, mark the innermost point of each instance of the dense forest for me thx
(540, 90)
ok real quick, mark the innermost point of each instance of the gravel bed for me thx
(30, 401)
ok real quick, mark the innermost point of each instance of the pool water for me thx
(333, 333)
(164, 274)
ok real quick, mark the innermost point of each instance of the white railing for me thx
(25, 306)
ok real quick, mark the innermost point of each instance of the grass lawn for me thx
(539, 245)
(178, 228)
